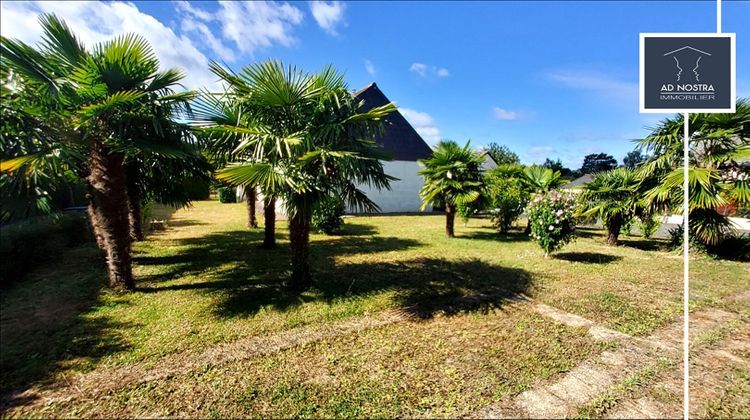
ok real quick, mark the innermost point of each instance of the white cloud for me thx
(255, 25)
(423, 123)
(328, 14)
(370, 68)
(540, 152)
(95, 22)
(249, 26)
(504, 115)
(442, 72)
(599, 84)
(424, 70)
(191, 25)
(418, 68)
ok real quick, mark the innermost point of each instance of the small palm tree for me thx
(99, 96)
(613, 197)
(304, 139)
(541, 179)
(452, 176)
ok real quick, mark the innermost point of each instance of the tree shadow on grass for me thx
(421, 286)
(47, 326)
(645, 244)
(587, 257)
(589, 232)
(348, 229)
(495, 235)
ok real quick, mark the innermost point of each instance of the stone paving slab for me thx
(596, 376)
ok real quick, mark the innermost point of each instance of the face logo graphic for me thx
(687, 58)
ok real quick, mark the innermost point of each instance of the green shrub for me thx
(197, 188)
(648, 225)
(227, 194)
(507, 199)
(328, 215)
(552, 220)
(467, 210)
(734, 246)
(25, 245)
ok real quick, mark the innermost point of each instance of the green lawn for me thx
(204, 282)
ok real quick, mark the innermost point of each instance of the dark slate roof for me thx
(579, 182)
(399, 137)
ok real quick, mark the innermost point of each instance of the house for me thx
(577, 184)
(405, 146)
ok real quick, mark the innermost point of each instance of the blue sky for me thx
(548, 79)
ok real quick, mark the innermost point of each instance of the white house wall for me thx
(403, 196)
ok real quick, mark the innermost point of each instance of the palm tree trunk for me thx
(269, 222)
(95, 227)
(135, 214)
(250, 197)
(299, 243)
(109, 208)
(613, 230)
(450, 219)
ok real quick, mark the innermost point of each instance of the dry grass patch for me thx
(443, 367)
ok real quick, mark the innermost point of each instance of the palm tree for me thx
(613, 197)
(452, 176)
(541, 179)
(97, 94)
(26, 127)
(302, 139)
(718, 178)
(538, 180)
(224, 120)
(251, 196)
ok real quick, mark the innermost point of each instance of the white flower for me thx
(551, 227)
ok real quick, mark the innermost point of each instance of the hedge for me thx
(26, 245)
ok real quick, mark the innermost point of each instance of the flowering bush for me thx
(552, 220)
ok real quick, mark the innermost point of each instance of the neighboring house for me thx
(489, 161)
(405, 146)
(577, 184)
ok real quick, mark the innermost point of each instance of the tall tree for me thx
(309, 141)
(98, 93)
(452, 176)
(557, 165)
(718, 171)
(502, 155)
(598, 162)
(634, 159)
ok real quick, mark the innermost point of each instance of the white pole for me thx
(718, 16)
(686, 265)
